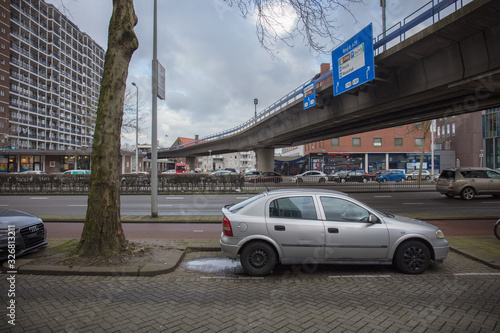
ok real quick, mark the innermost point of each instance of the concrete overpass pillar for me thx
(265, 159)
(191, 161)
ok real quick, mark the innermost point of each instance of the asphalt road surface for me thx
(211, 204)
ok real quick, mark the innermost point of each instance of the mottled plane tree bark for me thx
(102, 233)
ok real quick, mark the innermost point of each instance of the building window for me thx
(335, 142)
(356, 142)
(447, 129)
(419, 142)
(453, 129)
(398, 142)
(377, 142)
(438, 132)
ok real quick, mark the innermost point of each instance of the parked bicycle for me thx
(497, 229)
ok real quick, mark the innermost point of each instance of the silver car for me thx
(468, 182)
(321, 226)
(311, 177)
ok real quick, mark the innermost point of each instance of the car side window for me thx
(493, 174)
(343, 210)
(293, 208)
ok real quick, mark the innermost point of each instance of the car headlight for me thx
(439, 234)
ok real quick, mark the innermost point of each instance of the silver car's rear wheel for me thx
(468, 193)
(258, 258)
(413, 257)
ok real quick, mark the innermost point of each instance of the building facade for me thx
(392, 148)
(491, 131)
(50, 74)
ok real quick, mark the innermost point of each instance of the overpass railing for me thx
(434, 10)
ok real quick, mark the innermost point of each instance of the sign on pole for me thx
(161, 81)
(353, 62)
(309, 93)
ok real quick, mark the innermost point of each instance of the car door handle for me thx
(333, 230)
(279, 227)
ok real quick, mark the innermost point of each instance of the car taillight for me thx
(226, 227)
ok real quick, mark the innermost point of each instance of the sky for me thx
(215, 66)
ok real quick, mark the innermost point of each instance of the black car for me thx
(20, 233)
(353, 176)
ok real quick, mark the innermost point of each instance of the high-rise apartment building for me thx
(50, 74)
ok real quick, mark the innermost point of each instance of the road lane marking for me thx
(77, 205)
(174, 198)
(240, 198)
(198, 230)
(165, 205)
(4, 205)
(358, 276)
(39, 198)
(413, 203)
(382, 196)
(476, 274)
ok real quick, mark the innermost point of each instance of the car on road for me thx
(20, 234)
(311, 177)
(392, 176)
(169, 172)
(313, 226)
(251, 174)
(76, 172)
(338, 174)
(354, 176)
(33, 172)
(224, 172)
(426, 175)
(469, 182)
(267, 177)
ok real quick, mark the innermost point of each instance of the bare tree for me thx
(313, 20)
(102, 233)
(424, 128)
(130, 111)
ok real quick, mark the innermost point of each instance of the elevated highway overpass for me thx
(449, 68)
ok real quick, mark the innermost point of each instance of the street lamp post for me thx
(255, 101)
(136, 129)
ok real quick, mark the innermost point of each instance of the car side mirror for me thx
(373, 219)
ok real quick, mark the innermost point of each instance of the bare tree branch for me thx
(314, 21)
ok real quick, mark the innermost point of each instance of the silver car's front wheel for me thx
(413, 257)
(258, 258)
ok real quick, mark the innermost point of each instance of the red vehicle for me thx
(181, 168)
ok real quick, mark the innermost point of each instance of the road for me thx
(211, 204)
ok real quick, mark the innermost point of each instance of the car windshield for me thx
(237, 207)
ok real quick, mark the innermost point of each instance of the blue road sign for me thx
(353, 62)
(309, 93)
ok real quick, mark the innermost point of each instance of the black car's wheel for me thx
(258, 258)
(300, 180)
(468, 193)
(322, 180)
(412, 257)
(448, 195)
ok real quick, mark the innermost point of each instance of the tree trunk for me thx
(102, 233)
